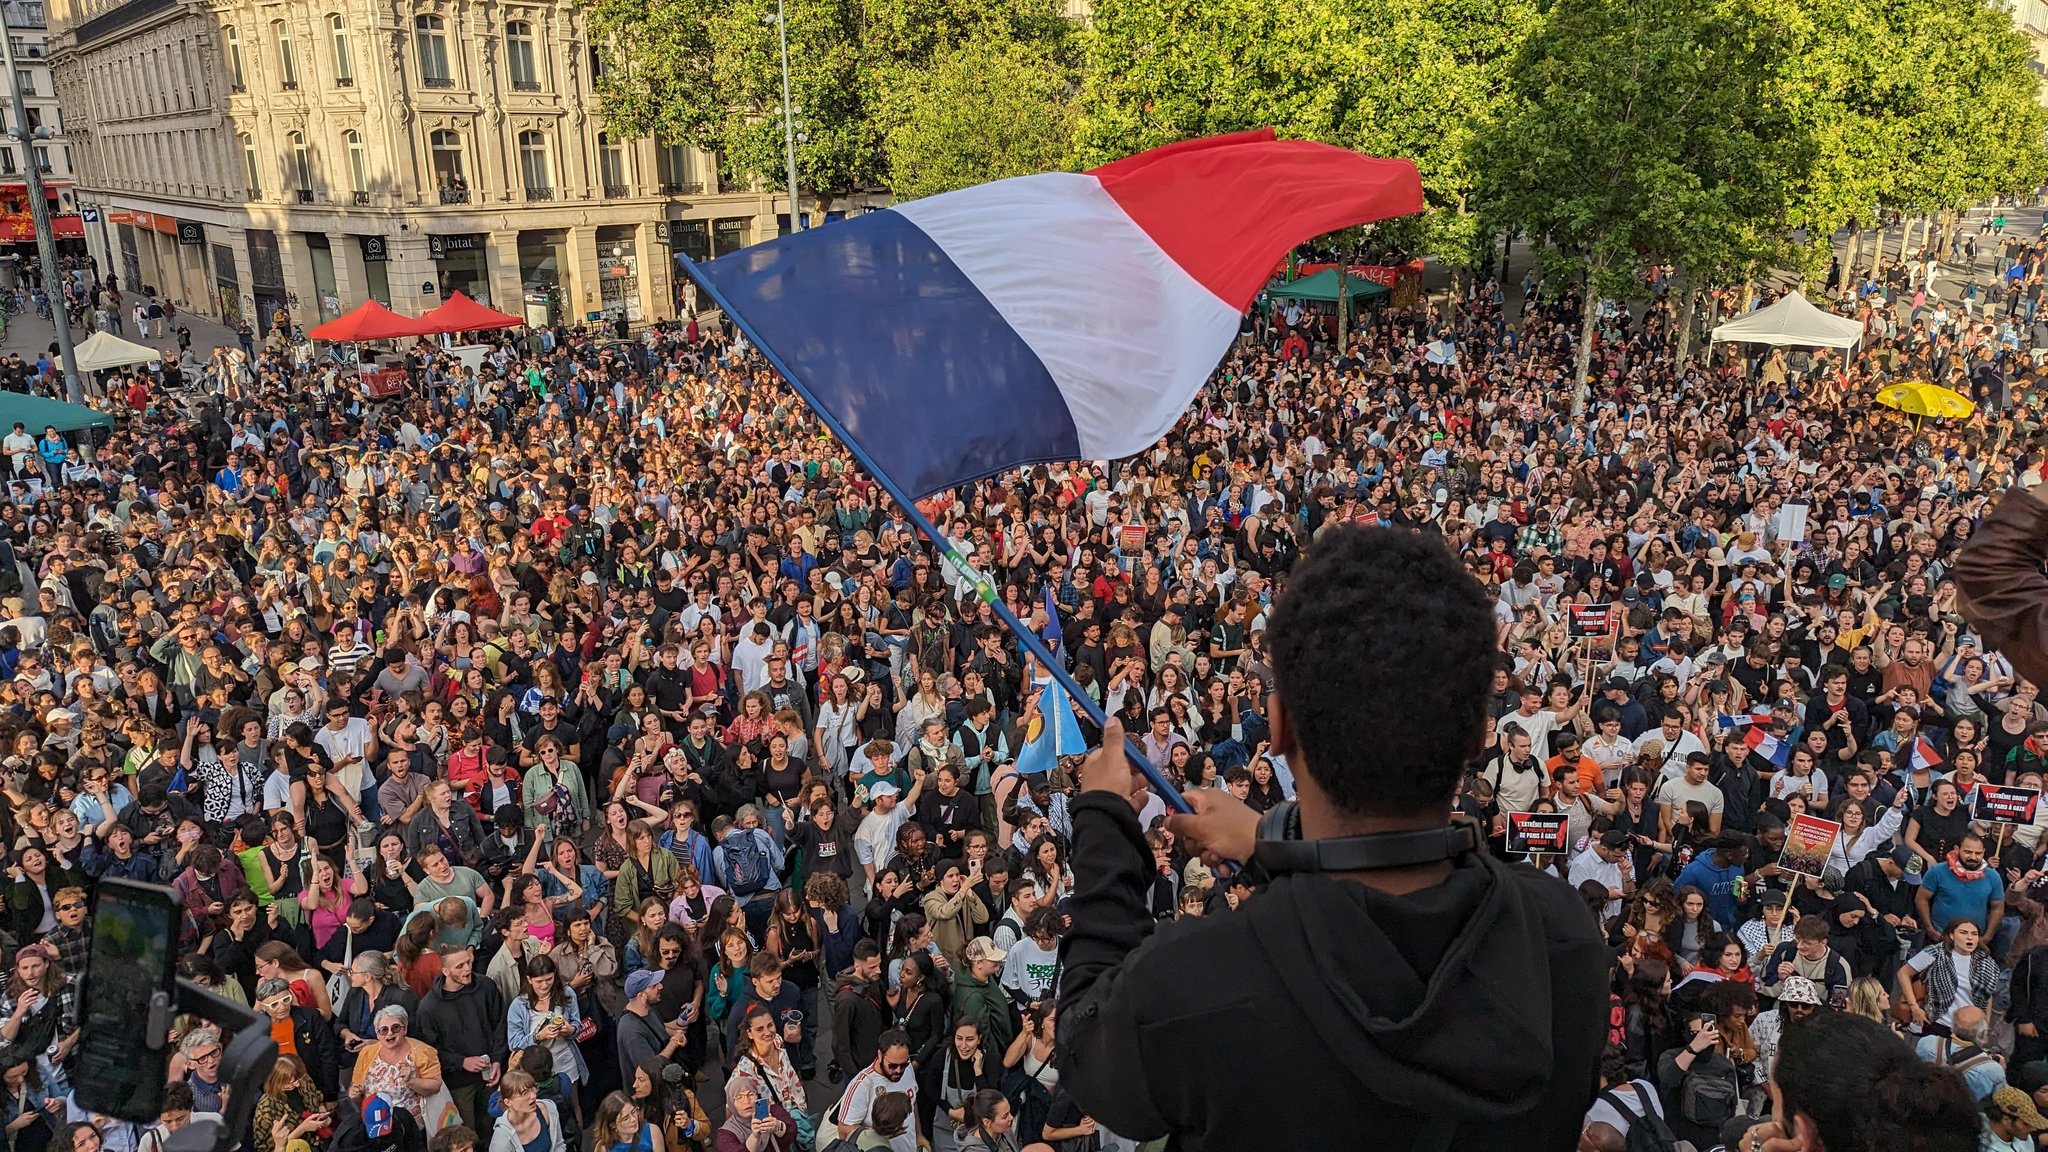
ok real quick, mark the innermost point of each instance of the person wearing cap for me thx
(2011, 1120)
(874, 841)
(1606, 862)
(978, 996)
(640, 1035)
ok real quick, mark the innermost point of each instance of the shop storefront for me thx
(618, 273)
(462, 264)
(376, 268)
(325, 290)
(266, 276)
(227, 286)
(543, 256)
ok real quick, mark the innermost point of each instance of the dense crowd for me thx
(582, 746)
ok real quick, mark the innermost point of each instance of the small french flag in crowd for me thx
(1761, 742)
(1754, 720)
(1924, 755)
(1059, 316)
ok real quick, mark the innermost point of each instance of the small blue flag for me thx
(1053, 733)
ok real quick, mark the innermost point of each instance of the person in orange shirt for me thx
(1570, 751)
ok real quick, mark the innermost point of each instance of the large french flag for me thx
(1062, 316)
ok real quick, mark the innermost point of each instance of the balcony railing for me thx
(617, 191)
(437, 81)
(454, 195)
(526, 85)
(362, 199)
(533, 194)
(682, 187)
(288, 85)
(344, 81)
(303, 195)
(238, 88)
(730, 184)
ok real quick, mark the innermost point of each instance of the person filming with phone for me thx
(1396, 982)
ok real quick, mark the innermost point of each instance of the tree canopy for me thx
(708, 74)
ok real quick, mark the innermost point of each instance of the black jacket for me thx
(1890, 898)
(319, 1050)
(859, 1017)
(464, 1023)
(1472, 1012)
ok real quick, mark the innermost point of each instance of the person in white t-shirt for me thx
(20, 448)
(1032, 968)
(1672, 798)
(892, 1071)
(1605, 862)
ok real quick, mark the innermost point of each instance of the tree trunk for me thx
(1588, 321)
(1343, 301)
(1848, 264)
(1457, 292)
(1687, 312)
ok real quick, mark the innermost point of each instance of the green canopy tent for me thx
(36, 413)
(1323, 286)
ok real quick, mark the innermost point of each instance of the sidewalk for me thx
(29, 334)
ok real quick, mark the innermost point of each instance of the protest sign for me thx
(1807, 843)
(1538, 832)
(2005, 804)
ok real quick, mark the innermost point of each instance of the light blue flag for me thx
(1054, 733)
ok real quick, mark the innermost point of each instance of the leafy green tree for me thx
(709, 74)
(1644, 131)
(1411, 78)
(988, 109)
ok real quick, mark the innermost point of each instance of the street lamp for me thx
(46, 238)
(781, 22)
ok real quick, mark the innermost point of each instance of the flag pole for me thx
(983, 587)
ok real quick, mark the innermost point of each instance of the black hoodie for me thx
(469, 1021)
(1469, 1015)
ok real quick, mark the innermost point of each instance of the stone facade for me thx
(253, 156)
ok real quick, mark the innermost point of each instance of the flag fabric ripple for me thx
(1066, 315)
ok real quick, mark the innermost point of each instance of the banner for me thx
(2005, 804)
(1807, 843)
(1589, 620)
(1384, 274)
(1538, 832)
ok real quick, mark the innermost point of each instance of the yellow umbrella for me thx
(1919, 398)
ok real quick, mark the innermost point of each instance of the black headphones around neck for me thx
(1280, 848)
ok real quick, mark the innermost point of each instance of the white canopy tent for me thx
(104, 350)
(1794, 321)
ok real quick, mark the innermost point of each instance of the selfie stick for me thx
(983, 587)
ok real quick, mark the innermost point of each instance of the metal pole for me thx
(983, 587)
(46, 238)
(796, 218)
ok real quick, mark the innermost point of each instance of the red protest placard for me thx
(1590, 620)
(1538, 832)
(1807, 843)
(2005, 804)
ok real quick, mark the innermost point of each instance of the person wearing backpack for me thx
(1631, 1107)
(750, 863)
(1701, 1082)
(1963, 1050)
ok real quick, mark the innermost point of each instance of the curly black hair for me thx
(1383, 652)
(1866, 1091)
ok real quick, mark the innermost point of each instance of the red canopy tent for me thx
(372, 321)
(462, 314)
